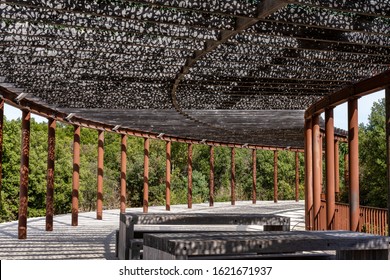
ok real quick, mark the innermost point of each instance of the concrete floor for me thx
(95, 239)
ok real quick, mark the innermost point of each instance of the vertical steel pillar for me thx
(233, 176)
(254, 198)
(24, 172)
(146, 176)
(100, 171)
(76, 175)
(189, 199)
(51, 142)
(346, 171)
(308, 175)
(317, 159)
(275, 176)
(353, 148)
(123, 172)
(211, 182)
(1, 148)
(330, 169)
(387, 93)
(296, 176)
(336, 169)
(168, 177)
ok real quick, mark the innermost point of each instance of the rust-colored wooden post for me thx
(100, 171)
(76, 175)
(51, 143)
(233, 176)
(189, 171)
(1, 148)
(308, 174)
(254, 197)
(211, 182)
(296, 176)
(330, 169)
(317, 159)
(387, 94)
(275, 176)
(24, 172)
(353, 148)
(146, 176)
(123, 172)
(336, 169)
(168, 177)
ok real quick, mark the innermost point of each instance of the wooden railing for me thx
(372, 220)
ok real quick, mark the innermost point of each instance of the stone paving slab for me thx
(95, 239)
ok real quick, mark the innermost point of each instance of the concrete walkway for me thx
(94, 239)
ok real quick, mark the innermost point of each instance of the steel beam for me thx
(51, 142)
(1, 148)
(168, 177)
(387, 93)
(189, 169)
(211, 180)
(296, 176)
(24, 173)
(100, 171)
(233, 176)
(353, 149)
(317, 159)
(330, 169)
(123, 173)
(76, 175)
(254, 198)
(308, 174)
(146, 176)
(275, 176)
(337, 169)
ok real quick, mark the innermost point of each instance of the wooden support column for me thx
(1, 148)
(296, 176)
(387, 94)
(337, 169)
(168, 177)
(275, 176)
(100, 171)
(189, 169)
(146, 176)
(254, 198)
(24, 172)
(211, 182)
(76, 175)
(353, 148)
(330, 169)
(233, 176)
(123, 172)
(51, 143)
(308, 175)
(317, 159)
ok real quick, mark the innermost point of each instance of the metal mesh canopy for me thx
(237, 71)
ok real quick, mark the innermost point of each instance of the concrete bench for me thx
(348, 245)
(135, 225)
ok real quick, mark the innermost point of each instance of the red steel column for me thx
(353, 148)
(24, 172)
(100, 171)
(51, 142)
(233, 176)
(317, 159)
(211, 183)
(308, 175)
(76, 175)
(1, 147)
(123, 172)
(330, 169)
(189, 198)
(336, 169)
(254, 198)
(296, 176)
(275, 176)
(387, 94)
(146, 176)
(168, 177)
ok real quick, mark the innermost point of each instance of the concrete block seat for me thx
(254, 245)
(133, 226)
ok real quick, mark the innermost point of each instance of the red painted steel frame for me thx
(100, 171)
(76, 175)
(146, 176)
(123, 173)
(330, 169)
(51, 141)
(168, 177)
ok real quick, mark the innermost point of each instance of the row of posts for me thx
(24, 173)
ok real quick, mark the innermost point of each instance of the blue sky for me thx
(340, 112)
